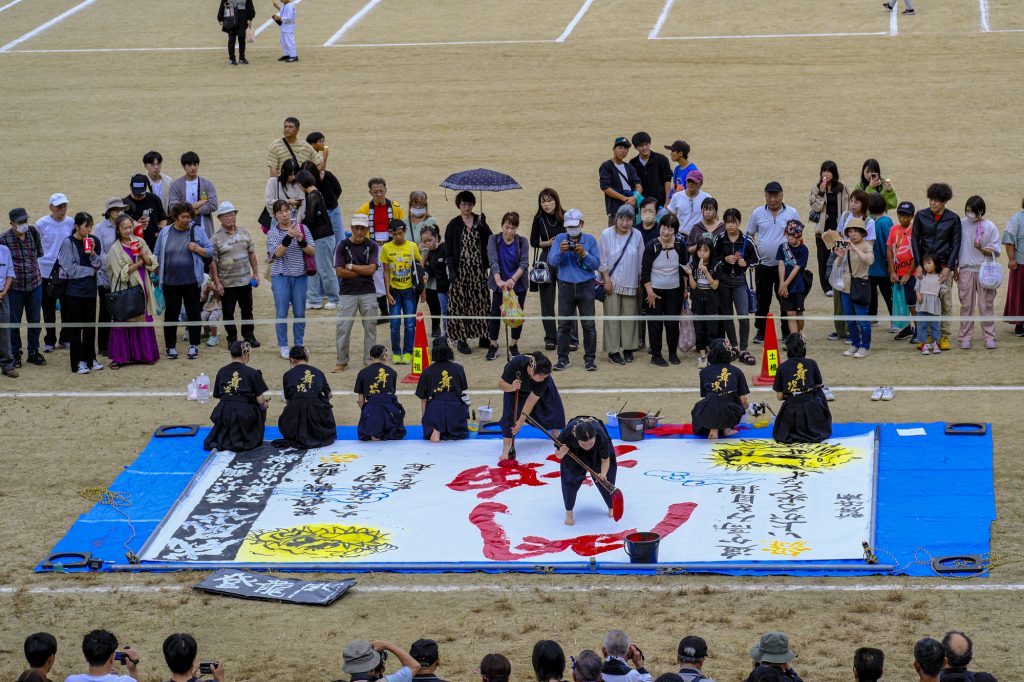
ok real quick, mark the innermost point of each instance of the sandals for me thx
(746, 358)
(114, 366)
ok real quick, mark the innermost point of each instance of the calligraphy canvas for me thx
(735, 500)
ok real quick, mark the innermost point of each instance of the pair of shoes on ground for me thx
(84, 367)
(893, 6)
(883, 393)
(405, 359)
(193, 353)
(855, 352)
(588, 365)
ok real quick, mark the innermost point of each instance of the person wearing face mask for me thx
(26, 291)
(53, 229)
(576, 255)
(980, 243)
(419, 215)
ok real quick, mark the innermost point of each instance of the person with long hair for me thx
(129, 263)
(79, 262)
(434, 259)
(287, 244)
(548, 661)
(241, 411)
(804, 416)
(547, 223)
(440, 389)
(737, 254)
(508, 255)
(661, 275)
(528, 391)
(285, 187)
(871, 181)
(381, 416)
(469, 299)
(723, 394)
(829, 199)
(308, 418)
(587, 439)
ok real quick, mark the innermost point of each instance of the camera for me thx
(207, 668)
(572, 242)
(121, 657)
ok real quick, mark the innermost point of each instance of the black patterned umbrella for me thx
(480, 180)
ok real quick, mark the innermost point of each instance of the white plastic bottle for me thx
(193, 390)
(203, 387)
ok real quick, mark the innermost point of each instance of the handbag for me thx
(511, 311)
(126, 303)
(419, 275)
(860, 287)
(899, 305)
(990, 274)
(230, 16)
(309, 259)
(250, 35)
(540, 273)
(687, 335)
(55, 286)
(813, 216)
(599, 292)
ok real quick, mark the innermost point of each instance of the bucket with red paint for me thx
(642, 547)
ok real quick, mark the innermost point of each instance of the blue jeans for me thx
(927, 325)
(338, 223)
(29, 302)
(325, 281)
(405, 304)
(860, 331)
(289, 290)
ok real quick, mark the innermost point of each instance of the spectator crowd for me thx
(620, 660)
(664, 249)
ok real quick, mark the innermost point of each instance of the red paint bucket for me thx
(642, 548)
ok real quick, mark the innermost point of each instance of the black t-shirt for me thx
(376, 379)
(722, 379)
(239, 379)
(653, 175)
(330, 188)
(367, 253)
(136, 207)
(545, 227)
(516, 368)
(440, 378)
(797, 375)
(602, 449)
(305, 381)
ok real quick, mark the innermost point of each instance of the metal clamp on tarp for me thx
(966, 563)
(966, 429)
(79, 560)
(176, 431)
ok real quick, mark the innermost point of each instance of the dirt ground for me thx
(933, 103)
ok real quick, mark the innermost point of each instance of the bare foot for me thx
(611, 514)
(435, 436)
(712, 434)
(730, 432)
(569, 520)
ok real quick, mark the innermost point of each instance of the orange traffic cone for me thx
(420, 352)
(770, 355)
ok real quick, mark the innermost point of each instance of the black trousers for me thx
(670, 303)
(573, 477)
(50, 318)
(175, 295)
(237, 33)
(766, 282)
(102, 333)
(883, 285)
(546, 293)
(705, 302)
(821, 252)
(83, 339)
(242, 297)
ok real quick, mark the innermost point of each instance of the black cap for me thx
(139, 181)
(679, 146)
(622, 142)
(692, 648)
(905, 208)
(424, 651)
(18, 215)
(773, 187)
(396, 224)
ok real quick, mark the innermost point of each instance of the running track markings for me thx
(9, 5)
(653, 35)
(575, 20)
(765, 36)
(893, 25)
(52, 22)
(353, 20)
(530, 588)
(266, 24)
(983, 16)
(567, 391)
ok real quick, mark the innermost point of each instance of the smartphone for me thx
(207, 668)
(121, 657)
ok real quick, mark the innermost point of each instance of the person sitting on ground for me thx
(804, 416)
(100, 649)
(868, 664)
(381, 416)
(365, 660)
(308, 418)
(773, 651)
(928, 659)
(723, 391)
(587, 667)
(548, 661)
(619, 652)
(425, 653)
(440, 389)
(240, 415)
(959, 650)
(41, 652)
(180, 650)
(690, 656)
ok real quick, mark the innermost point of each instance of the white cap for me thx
(225, 207)
(360, 220)
(573, 217)
(58, 199)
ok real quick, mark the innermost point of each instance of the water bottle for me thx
(203, 388)
(193, 390)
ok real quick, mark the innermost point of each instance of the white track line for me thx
(9, 5)
(116, 49)
(52, 22)
(353, 20)
(958, 586)
(661, 20)
(570, 391)
(269, 22)
(575, 20)
(983, 16)
(766, 36)
(451, 42)
(894, 28)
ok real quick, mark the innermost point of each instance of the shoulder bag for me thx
(860, 287)
(540, 272)
(308, 258)
(751, 294)
(990, 274)
(125, 303)
(599, 292)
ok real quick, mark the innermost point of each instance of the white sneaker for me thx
(926, 349)
(314, 306)
(82, 368)
(193, 352)
(702, 362)
(877, 395)
(828, 293)
(212, 341)
(888, 393)
(96, 366)
(935, 349)
(852, 350)
(862, 353)
(827, 392)
(284, 352)
(330, 306)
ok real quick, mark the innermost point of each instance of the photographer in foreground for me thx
(180, 650)
(365, 660)
(105, 661)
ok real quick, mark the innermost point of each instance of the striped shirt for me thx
(278, 153)
(291, 263)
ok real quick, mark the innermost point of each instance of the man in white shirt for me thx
(100, 649)
(53, 230)
(685, 205)
(197, 192)
(767, 227)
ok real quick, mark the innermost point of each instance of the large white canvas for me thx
(418, 502)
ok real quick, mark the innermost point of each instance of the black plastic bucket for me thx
(642, 548)
(631, 425)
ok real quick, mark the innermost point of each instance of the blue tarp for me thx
(935, 493)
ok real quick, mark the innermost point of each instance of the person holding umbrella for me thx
(469, 299)
(587, 439)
